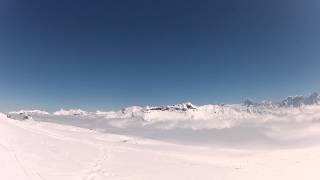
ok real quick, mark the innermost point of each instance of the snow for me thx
(41, 150)
(74, 112)
(30, 112)
(181, 142)
(297, 101)
(211, 116)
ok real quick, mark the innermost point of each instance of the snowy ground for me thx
(264, 144)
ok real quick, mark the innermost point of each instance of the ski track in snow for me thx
(36, 150)
(96, 170)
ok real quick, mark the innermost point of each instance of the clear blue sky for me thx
(96, 54)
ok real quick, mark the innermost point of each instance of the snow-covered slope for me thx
(181, 142)
(37, 150)
(248, 124)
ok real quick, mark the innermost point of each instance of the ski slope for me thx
(179, 142)
(41, 150)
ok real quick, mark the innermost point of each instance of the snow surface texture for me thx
(241, 141)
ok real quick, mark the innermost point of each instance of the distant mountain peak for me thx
(177, 107)
(297, 101)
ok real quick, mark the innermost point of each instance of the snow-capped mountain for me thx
(187, 115)
(30, 112)
(290, 101)
(109, 140)
(297, 101)
(25, 114)
(177, 107)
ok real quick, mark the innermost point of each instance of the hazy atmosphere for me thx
(159, 90)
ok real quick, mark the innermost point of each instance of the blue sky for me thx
(112, 54)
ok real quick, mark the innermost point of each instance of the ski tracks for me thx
(101, 168)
